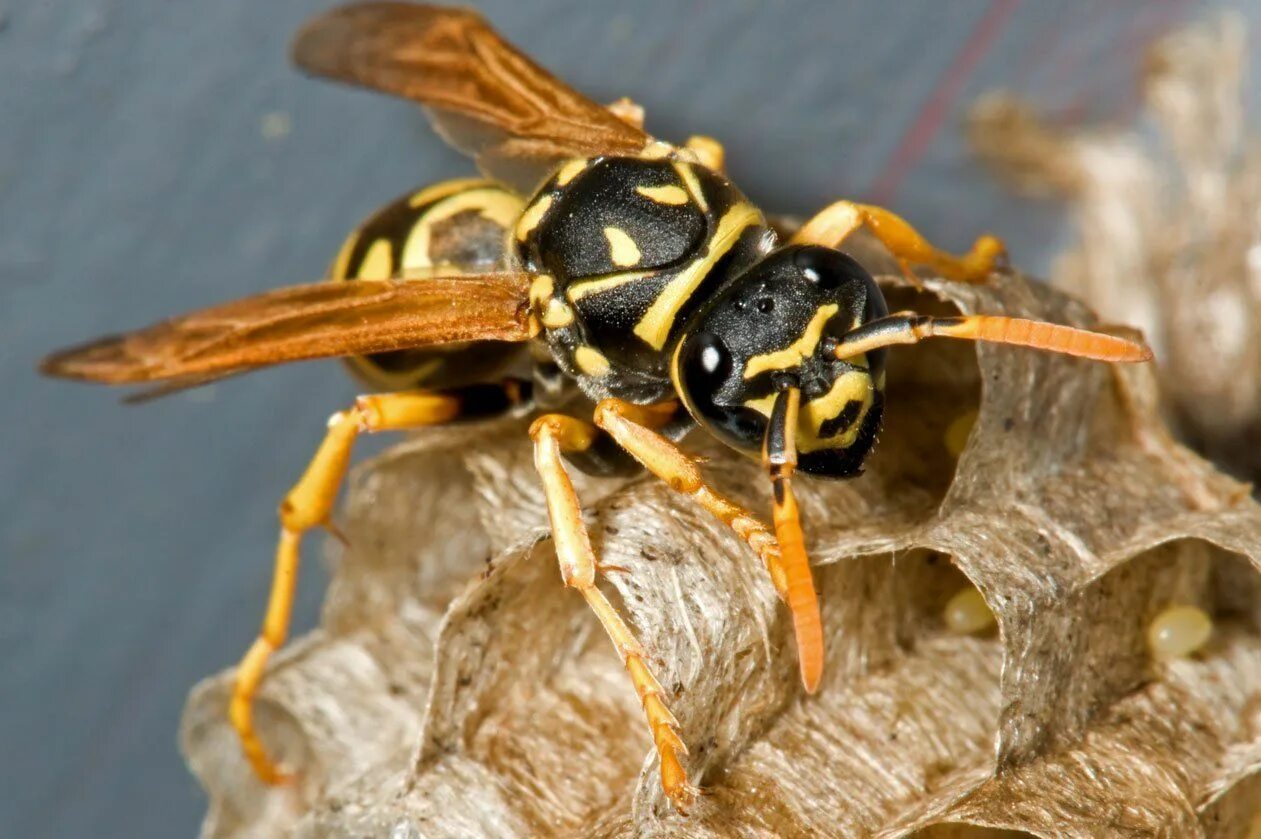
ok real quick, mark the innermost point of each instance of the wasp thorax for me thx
(779, 321)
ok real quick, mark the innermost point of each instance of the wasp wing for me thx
(322, 320)
(484, 96)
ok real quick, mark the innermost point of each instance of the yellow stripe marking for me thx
(541, 288)
(557, 315)
(442, 190)
(622, 248)
(852, 386)
(792, 355)
(570, 171)
(654, 326)
(669, 194)
(378, 262)
(532, 216)
(497, 206)
(577, 291)
(342, 262)
(591, 361)
(693, 185)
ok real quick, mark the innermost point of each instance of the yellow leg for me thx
(308, 506)
(628, 111)
(552, 435)
(632, 427)
(837, 221)
(709, 152)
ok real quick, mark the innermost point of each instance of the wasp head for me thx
(776, 326)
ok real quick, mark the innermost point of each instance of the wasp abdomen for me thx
(453, 227)
(628, 248)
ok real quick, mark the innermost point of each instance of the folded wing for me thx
(322, 320)
(485, 97)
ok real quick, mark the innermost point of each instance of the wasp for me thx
(604, 260)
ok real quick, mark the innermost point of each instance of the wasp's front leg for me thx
(554, 434)
(634, 429)
(836, 222)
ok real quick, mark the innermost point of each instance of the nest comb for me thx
(455, 688)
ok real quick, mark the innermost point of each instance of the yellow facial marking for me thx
(591, 361)
(532, 216)
(792, 355)
(342, 262)
(693, 185)
(852, 386)
(654, 326)
(570, 171)
(669, 194)
(378, 262)
(622, 248)
(494, 204)
(557, 315)
(442, 190)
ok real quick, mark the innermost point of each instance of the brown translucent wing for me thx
(485, 97)
(304, 322)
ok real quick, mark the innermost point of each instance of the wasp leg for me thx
(628, 111)
(308, 504)
(709, 152)
(632, 427)
(554, 434)
(836, 222)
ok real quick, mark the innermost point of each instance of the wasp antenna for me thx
(793, 577)
(994, 329)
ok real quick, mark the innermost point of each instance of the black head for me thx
(775, 326)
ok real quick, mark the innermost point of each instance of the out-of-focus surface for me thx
(1168, 227)
(159, 156)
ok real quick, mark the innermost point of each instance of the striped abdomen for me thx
(453, 227)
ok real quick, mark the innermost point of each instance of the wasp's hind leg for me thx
(834, 224)
(554, 436)
(308, 505)
(707, 151)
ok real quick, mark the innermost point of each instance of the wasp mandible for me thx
(638, 273)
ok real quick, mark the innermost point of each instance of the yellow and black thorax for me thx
(626, 250)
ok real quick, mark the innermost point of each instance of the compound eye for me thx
(707, 358)
(712, 390)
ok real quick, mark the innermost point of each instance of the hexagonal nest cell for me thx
(988, 587)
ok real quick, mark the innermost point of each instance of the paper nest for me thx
(456, 688)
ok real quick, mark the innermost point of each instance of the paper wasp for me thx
(634, 269)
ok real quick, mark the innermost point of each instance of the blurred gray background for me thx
(156, 156)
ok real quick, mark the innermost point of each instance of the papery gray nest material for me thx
(457, 689)
(1169, 230)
